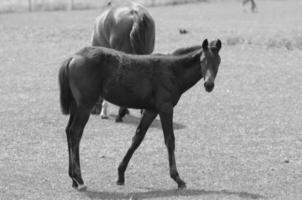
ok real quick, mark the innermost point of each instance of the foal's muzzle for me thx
(209, 86)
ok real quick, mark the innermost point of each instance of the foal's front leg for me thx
(166, 118)
(140, 133)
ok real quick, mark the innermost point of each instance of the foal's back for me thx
(122, 79)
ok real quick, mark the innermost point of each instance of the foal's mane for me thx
(189, 50)
(181, 52)
(186, 50)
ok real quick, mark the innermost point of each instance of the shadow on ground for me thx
(134, 120)
(168, 193)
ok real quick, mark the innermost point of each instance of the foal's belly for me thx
(131, 95)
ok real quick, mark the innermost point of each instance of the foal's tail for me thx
(65, 92)
(142, 35)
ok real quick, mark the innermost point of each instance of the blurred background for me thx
(242, 141)
(48, 5)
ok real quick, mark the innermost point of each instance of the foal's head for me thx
(209, 62)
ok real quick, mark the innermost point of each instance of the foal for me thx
(151, 82)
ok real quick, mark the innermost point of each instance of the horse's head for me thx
(209, 62)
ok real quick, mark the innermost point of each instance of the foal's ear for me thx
(205, 45)
(218, 44)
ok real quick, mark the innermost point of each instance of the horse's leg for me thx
(253, 8)
(166, 118)
(74, 134)
(96, 110)
(104, 110)
(121, 113)
(245, 1)
(140, 133)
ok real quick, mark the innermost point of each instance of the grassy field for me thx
(242, 141)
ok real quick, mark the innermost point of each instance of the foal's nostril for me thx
(209, 86)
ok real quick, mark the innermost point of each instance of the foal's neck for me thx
(188, 72)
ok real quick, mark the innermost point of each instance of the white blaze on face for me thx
(209, 81)
(209, 77)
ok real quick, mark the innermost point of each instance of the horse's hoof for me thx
(76, 185)
(96, 111)
(104, 117)
(182, 186)
(118, 119)
(79, 187)
(82, 188)
(120, 182)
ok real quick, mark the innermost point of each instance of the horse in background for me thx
(151, 82)
(253, 4)
(125, 26)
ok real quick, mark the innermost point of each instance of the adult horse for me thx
(151, 82)
(125, 26)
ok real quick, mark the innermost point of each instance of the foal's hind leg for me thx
(69, 144)
(140, 133)
(74, 132)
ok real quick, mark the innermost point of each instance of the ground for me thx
(242, 141)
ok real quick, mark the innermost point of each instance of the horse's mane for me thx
(186, 50)
(183, 53)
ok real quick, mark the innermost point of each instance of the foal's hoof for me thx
(182, 186)
(80, 187)
(120, 183)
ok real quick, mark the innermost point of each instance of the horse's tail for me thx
(65, 92)
(142, 35)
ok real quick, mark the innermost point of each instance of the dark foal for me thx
(125, 26)
(151, 82)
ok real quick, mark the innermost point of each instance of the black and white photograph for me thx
(150, 99)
